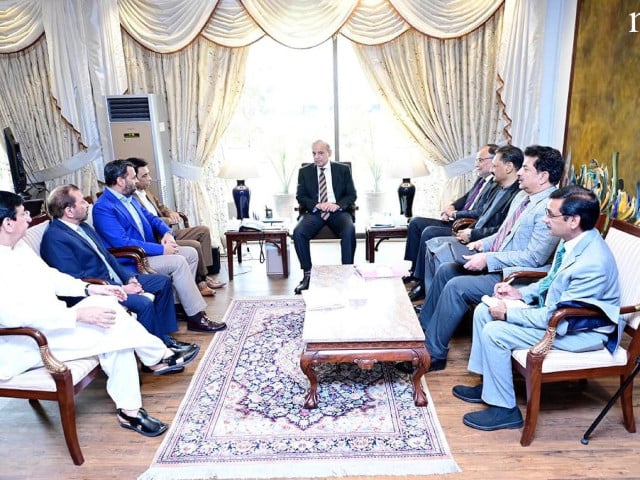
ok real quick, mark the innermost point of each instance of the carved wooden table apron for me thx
(376, 323)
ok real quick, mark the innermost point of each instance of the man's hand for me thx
(499, 312)
(99, 316)
(476, 262)
(504, 290)
(328, 207)
(108, 290)
(174, 218)
(448, 213)
(477, 246)
(169, 244)
(464, 236)
(133, 286)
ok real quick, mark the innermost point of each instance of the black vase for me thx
(241, 197)
(406, 192)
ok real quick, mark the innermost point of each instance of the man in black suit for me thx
(326, 194)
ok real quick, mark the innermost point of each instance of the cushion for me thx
(33, 236)
(561, 360)
(40, 379)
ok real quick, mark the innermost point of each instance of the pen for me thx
(510, 281)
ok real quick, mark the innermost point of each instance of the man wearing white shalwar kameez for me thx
(97, 325)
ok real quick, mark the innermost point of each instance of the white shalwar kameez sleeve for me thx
(29, 289)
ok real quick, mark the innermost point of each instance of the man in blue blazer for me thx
(70, 245)
(522, 242)
(121, 221)
(583, 271)
(326, 195)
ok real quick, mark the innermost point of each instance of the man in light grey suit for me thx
(584, 271)
(522, 241)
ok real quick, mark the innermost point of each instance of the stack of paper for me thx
(323, 298)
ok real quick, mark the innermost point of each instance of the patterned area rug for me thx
(242, 416)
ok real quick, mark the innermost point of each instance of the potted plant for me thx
(285, 170)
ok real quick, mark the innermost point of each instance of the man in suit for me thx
(97, 325)
(522, 241)
(439, 250)
(470, 205)
(121, 221)
(326, 194)
(198, 237)
(70, 245)
(583, 271)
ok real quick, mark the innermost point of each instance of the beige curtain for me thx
(442, 91)
(201, 85)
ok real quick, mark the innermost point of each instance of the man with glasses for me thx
(583, 272)
(470, 205)
(522, 242)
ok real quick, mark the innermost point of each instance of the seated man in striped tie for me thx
(522, 241)
(72, 246)
(326, 193)
(584, 272)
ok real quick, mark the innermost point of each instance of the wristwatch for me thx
(86, 290)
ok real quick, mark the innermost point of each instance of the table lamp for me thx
(239, 168)
(406, 169)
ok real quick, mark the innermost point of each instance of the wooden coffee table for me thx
(376, 324)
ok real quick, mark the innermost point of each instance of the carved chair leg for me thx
(66, 403)
(534, 386)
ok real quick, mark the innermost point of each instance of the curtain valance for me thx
(166, 26)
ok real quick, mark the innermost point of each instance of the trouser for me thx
(199, 238)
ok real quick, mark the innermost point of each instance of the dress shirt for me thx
(146, 203)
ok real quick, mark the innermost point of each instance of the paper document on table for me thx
(323, 298)
(509, 302)
(375, 270)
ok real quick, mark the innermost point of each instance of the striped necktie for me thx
(473, 194)
(545, 283)
(322, 192)
(507, 225)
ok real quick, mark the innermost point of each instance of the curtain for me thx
(201, 85)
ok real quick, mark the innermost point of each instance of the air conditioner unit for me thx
(138, 128)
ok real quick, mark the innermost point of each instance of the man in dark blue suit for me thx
(70, 245)
(326, 195)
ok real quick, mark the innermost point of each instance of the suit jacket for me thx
(485, 197)
(588, 274)
(163, 211)
(341, 180)
(494, 213)
(529, 244)
(117, 228)
(66, 250)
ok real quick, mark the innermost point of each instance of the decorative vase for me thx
(241, 197)
(406, 192)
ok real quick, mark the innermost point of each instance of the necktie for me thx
(507, 225)
(322, 192)
(545, 283)
(473, 194)
(112, 273)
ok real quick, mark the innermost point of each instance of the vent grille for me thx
(128, 108)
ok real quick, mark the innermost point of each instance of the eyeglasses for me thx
(548, 213)
(482, 159)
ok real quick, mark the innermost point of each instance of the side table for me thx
(380, 234)
(275, 237)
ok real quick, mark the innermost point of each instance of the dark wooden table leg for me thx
(306, 364)
(421, 362)
(285, 255)
(230, 257)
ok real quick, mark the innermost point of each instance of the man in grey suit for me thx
(439, 250)
(522, 241)
(583, 271)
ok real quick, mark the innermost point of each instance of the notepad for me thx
(509, 302)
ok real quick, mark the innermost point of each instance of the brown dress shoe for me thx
(202, 323)
(211, 283)
(205, 291)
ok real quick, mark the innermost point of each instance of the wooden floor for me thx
(33, 447)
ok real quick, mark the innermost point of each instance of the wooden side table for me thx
(379, 234)
(275, 237)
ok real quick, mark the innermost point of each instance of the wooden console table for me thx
(380, 234)
(275, 237)
(381, 326)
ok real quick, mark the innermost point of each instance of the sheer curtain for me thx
(201, 85)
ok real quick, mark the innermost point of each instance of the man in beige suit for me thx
(198, 237)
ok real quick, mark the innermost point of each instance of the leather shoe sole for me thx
(468, 394)
(494, 418)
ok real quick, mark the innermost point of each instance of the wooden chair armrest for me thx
(185, 219)
(525, 274)
(51, 363)
(137, 254)
(462, 223)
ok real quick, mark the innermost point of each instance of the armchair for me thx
(541, 364)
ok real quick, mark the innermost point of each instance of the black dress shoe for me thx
(201, 323)
(408, 279)
(143, 423)
(494, 418)
(437, 364)
(468, 394)
(180, 347)
(303, 285)
(417, 293)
